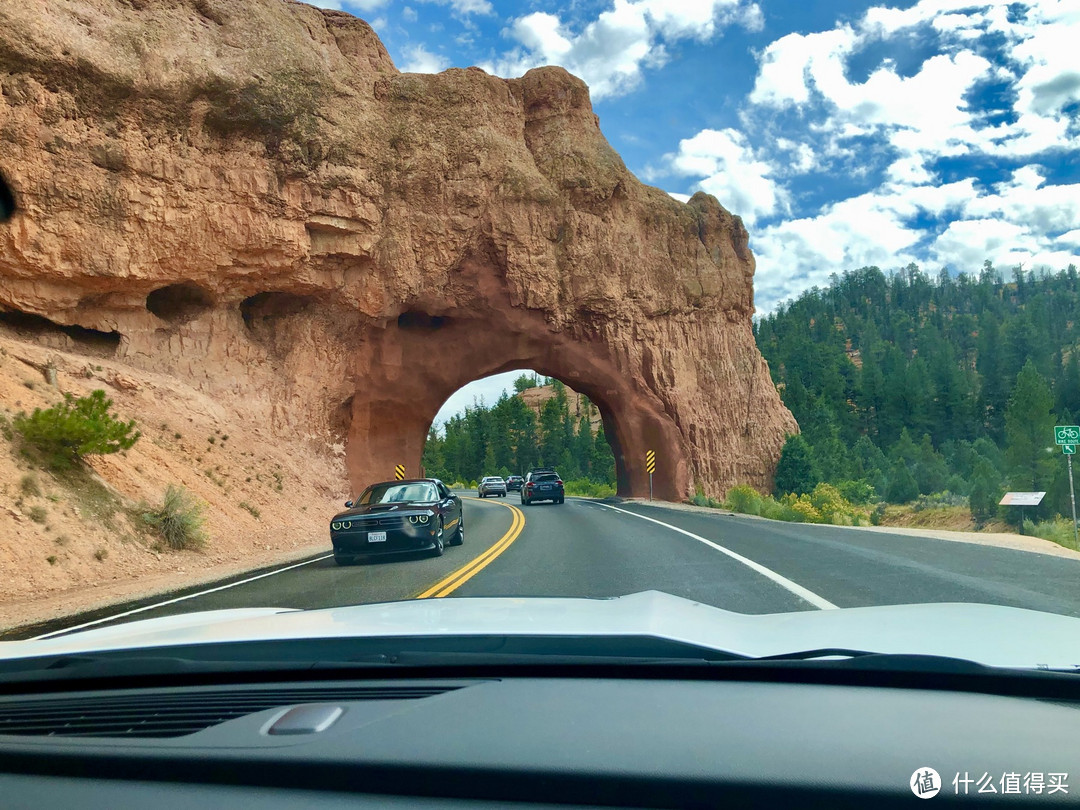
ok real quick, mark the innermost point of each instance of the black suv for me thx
(542, 484)
(514, 482)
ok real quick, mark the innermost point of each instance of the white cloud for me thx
(732, 174)
(1025, 199)
(355, 6)
(683, 198)
(787, 64)
(892, 128)
(420, 60)
(610, 52)
(408, 13)
(966, 243)
(463, 8)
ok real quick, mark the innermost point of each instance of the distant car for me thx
(491, 485)
(398, 517)
(543, 485)
(515, 483)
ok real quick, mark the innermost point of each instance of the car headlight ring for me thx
(423, 519)
(335, 526)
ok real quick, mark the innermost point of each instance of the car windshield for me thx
(398, 493)
(783, 294)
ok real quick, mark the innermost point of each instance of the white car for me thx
(491, 485)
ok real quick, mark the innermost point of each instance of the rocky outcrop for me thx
(257, 201)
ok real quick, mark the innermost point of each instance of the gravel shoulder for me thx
(1019, 542)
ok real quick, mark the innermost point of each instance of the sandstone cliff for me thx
(256, 201)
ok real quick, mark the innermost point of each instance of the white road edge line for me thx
(179, 598)
(779, 579)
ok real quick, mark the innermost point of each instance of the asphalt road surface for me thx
(590, 548)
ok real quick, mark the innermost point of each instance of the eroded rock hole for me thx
(272, 305)
(41, 330)
(179, 303)
(421, 321)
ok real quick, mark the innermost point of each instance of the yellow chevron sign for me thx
(650, 461)
(399, 472)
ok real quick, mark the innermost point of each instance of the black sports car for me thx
(398, 517)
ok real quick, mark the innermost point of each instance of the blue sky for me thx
(845, 133)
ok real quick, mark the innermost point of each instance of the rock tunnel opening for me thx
(179, 303)
(518, 420)
(67, 337)
(400, 375)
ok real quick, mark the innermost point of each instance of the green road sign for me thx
(1068, 449)
(1067, 434)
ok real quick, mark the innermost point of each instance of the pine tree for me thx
(902, 487)
(985, 491)
(795, 471)
(1029, 432)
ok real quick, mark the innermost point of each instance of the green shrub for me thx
(774, 510)
(101, 554)
(877, 515)
(254, 510)
(700, 499)
(29, 486)
(1056, 531)
(179, 520)
(38, 514)
(77, 427)
(803, 506)
(589, 489)
(857, 492)
(744, 499)
(51, 559)
(939, 500)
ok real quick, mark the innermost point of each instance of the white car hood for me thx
(989, 634)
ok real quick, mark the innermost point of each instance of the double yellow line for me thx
(445, 587)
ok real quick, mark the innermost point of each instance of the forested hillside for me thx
(508, 437)
(913, 385)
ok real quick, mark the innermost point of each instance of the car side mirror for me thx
(348, 504)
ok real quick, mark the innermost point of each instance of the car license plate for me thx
(376, 537)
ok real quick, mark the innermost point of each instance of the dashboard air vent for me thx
(173, 714)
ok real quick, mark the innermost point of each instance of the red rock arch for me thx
(340, 270)
(418, 372)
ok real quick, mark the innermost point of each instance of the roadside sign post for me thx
(399, 472)
(1068, 436)
(1022, 499)
(650, 465)
(1070, 451)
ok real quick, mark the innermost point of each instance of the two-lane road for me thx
(593, 549)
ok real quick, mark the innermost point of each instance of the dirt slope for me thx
(66, 548)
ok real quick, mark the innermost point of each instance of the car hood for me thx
(389, 509)
(988, 634)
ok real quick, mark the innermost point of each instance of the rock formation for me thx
(257, 201)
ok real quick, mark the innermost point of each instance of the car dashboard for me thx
(537, 740)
